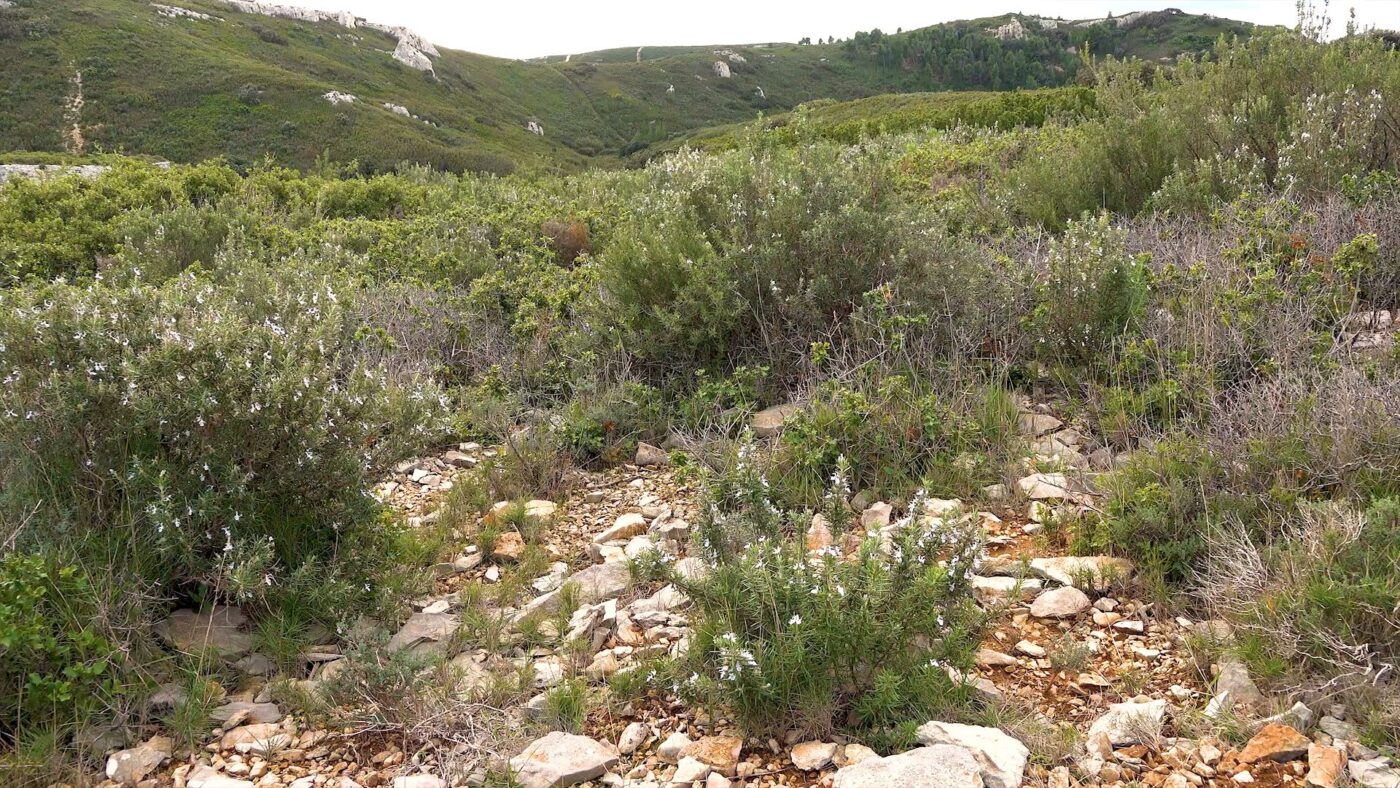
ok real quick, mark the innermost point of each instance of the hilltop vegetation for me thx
(113, 75)
(206, 369)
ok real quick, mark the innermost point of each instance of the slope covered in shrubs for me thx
(206, 372)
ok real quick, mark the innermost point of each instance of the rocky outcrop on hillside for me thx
(412, 50)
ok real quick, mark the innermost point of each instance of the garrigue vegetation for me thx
(206, 367)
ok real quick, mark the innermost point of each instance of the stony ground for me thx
(1069, 644)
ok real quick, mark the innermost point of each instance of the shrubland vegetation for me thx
(249, 87)
(205, 369)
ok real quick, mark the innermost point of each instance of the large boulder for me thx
(1002, 758)
(936, 766)
(562, 759)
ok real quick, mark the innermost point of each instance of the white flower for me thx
(795, 620)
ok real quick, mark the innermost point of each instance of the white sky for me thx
(531, 28)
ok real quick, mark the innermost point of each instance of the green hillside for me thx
(118, 75)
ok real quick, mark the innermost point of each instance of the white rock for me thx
(810, 756)
(690, 770)
(1046, 487)
(1123, 723)
(1063, 602)
(938, 766)
(1002, 758)
(671, 749)
(633, 736)
(336, 98)
(1093, 572)
(559, 759)
(419, 781)
(1376, 773)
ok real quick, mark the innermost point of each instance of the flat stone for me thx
(625, 527)
(989, 658)
(1123, 723)
(1088, 573)
(1037, 424)
(1374, 773)
(419, 781)
(425, 633)
(218, 630)
(1276, 743)
(937, 766)
(130, 767)
(1030, 649)
(601, 581)
(1002, 758)
(649, 455)
(673, 747)
(810, 756)
(1046, 487)
(1234, 679)
(562, 759)
(250, 712)
(259, 739)
(202, 776)
(1063, 602)
(719, 752)
(988, 591)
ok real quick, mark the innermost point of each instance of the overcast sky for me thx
(530, 28)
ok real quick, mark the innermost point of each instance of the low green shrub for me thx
(894, 438)
(788, 639)
(56, 666)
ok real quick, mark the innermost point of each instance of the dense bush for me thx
(791, 639)
(55, 665)
(220, 435)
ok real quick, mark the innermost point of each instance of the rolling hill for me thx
(240, 80)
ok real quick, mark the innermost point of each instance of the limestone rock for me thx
(1276, 743)
(1124, 723)
(719, 752)
(673, 747)
(989, 591)
(690, 770)
(130, 767)
(648, 455)
(769, 421)
(810, 756)
(1046, 487)
(1037, 424)
(202, 776)
(260, 739)
(601, 581)
(561, 759)
(1374, 773)
(1002, 758)
(938, 766)
(625, 527)
(1063, 602)
(408, 55)
(425, 633)
(419, 781)
(1325, 765)
(1093, 572)
(246, 712)
(1234, 679)
(218, 630)
(509, 546)
(633, 737)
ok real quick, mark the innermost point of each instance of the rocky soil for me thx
(1069, 643)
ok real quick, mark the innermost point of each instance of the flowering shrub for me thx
(1094, 292)
(859, 638)
(216, 436)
